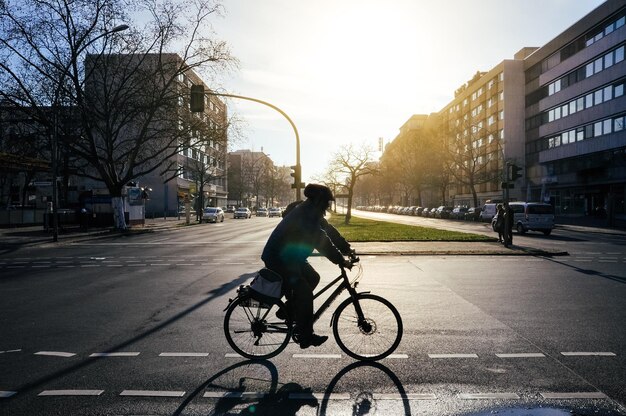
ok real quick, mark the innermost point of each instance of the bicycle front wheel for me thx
(373, 336)
(253, 331)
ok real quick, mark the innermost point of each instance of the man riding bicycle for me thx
(287, 250)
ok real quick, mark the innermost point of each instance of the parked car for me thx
(213, 214)
(458, 213)
(230, 209)
(472, 214)
(275, 212)
(261, 212)
(443, 212)
(487, 212)
(530, 216)
(242, 212)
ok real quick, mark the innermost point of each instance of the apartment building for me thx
(483, 128)
(574, 127)
(189, 163)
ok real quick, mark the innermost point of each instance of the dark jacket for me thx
(297, 235)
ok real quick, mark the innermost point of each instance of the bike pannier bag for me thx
(267, 285)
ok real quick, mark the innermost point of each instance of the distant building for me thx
(558, 111)
(197, 172)
(485, 123)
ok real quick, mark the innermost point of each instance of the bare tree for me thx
(472, 154)
(351, 163)
(129, 94)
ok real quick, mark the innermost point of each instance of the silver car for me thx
(213, 214)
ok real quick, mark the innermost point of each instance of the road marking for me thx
(319, 396)
(233, 395)
(588, 354)
(114, 354)
(574, 395)
(522, 355)
(3, 352)
(391, 356)
(489, 396)
(7, 394)
(232, 355)
(408, 396)
(71, 393)
(152, 393)
(333, 356)
(56, 354)
(452, 356)
(160, 264)
(184, 354)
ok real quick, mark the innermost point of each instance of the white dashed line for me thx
(114, 354)
(232, 355)
(8, 351)
(152, 393)
(452, 356)
(522, 355)
(56, 354)
(574, 395)
(233, 395)
(408, 396)
(184, 354)
(7, 394)
(489, 396)
(588, 354)
(332, 356)
(319, 396)
(71, 393)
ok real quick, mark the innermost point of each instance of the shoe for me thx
(312, 341)
(281, 314)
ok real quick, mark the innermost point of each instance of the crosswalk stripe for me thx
(522, 355)
(575, 395)
(6, 394)
(152, 393)
(489, 396)
(71, 393)
(114, 354)
(452, 355)
(56, 353)
(588, 354)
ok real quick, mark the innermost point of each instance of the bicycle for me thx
(367, 327)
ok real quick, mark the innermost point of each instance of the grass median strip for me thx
(361, 229)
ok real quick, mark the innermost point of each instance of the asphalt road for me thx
(132, 325)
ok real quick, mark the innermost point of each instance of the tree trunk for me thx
(117, 203)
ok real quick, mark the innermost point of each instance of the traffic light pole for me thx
(298, 184)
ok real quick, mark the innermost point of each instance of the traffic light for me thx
(296, 174)
(196, 100)
(515, 172)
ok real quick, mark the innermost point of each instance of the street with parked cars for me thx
(528, 216)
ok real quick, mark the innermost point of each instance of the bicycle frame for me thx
(345, 284)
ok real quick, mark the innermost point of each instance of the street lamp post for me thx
(55, 132)
(298, 184)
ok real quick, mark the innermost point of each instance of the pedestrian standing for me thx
(508, 225)
(500, 222)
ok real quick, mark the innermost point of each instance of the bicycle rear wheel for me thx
(252, 329)
(375, 336)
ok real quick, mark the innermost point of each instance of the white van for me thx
(488, 212)
(533, 216)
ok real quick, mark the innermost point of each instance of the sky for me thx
(351, 71)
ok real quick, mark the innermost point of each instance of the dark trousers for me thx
(299, 281)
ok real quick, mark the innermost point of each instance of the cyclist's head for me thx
(320, 194)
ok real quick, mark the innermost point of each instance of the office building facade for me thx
(575, 109)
